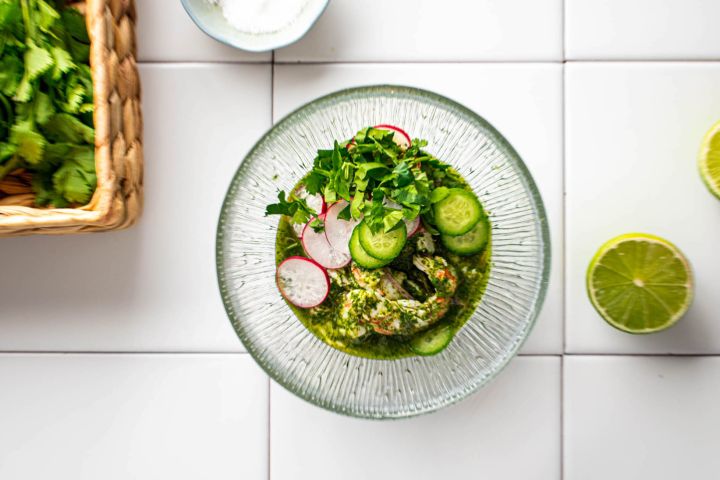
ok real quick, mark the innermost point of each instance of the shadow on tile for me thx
(46, 275)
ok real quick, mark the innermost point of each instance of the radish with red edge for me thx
(318, 247)
(337, 230)
(302, 282)
(413, 226)
(401, 137)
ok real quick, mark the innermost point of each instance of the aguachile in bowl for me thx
(401, 236)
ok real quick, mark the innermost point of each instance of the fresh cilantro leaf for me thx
(439, 194)
(10, 15)
(56, 153)
(329, 193)
(46, 15)
(11, 74)
(313, 183)
(62, 62)
(283, 207)
(402, 175)
(317, 224)
(344, 214)
(357, 205)
(30, 143)
(7, 150)
(44, 193)
(75, 180)
(295, 208)
(65, 128)
(74, 24)
(75, 94)
(37, 61)
(391, 219)
(43, 108)
(80, 52)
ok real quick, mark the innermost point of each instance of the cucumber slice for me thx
(470, 243)
(433, 341)
(381, 245)
(359, 254)
(457, 213)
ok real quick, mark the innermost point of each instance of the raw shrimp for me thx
(382, 305)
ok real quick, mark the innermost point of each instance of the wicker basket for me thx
(117, 200)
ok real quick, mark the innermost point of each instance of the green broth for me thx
(473, 272)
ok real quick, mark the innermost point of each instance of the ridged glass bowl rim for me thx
(501, 143)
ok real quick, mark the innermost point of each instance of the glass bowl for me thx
(362, 387)
(209, 18)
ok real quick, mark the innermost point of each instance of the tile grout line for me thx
(563, 29)
(419, 61)
(562, 418)
(563, 274)
(122, 352)
(519, 61)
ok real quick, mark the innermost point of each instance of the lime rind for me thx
(647, 239)
(709, 160)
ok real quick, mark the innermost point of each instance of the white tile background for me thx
(137, 373)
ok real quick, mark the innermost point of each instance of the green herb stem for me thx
(29, 27)
(10, 166)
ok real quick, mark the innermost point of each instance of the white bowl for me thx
(209, 17)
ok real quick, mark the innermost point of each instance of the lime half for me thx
(709, 159)
(640, 283)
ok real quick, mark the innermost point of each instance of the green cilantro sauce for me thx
(473, 272)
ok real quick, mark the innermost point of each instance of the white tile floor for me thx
(630, 418)
(517, 414)
(121, 416)
(137, 373)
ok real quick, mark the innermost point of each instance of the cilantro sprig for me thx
(372, 173)
(46, 100)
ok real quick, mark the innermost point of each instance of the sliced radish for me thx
(337, 230)
(412, 226)
(302, 282)
(401, 137)
(317, 245)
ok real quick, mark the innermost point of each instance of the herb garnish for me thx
(367, 172)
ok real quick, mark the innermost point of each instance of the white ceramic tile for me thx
(408, 30)
(630, 418)
(633, 133)
(508, 431)
(165, 33)
(152, 287)
(642, 29)
(523, 101)
(85, 417)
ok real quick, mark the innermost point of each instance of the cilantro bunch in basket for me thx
(46, 100)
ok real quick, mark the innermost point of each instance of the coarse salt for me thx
(260, 16)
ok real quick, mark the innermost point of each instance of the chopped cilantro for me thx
(365, 172)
